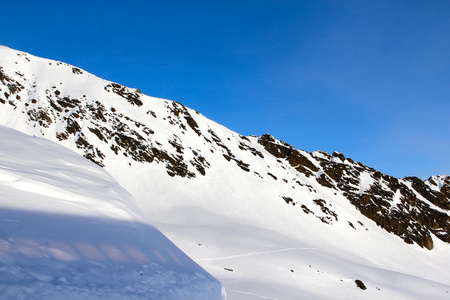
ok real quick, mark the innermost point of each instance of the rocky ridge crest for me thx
(111, 120)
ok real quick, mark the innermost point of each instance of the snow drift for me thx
(69, 231)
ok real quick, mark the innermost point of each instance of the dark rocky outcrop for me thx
(133, 97)
(413, 209)
(360, 284)
(282, 150)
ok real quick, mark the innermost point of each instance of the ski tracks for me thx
(252, 253)
(253, 294)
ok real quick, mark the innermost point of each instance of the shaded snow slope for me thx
(269, 221)
(69, 231)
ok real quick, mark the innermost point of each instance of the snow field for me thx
(69, 231)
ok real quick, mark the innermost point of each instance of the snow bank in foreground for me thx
(69, 231)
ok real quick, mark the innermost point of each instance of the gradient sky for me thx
(370, 79)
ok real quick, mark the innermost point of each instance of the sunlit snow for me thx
(234, 223)
(69, 231)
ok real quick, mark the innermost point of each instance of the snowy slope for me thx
(69, 231)
(269, 221)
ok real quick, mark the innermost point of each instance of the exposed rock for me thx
(288, 200)
(282, 150)
(412, 219)
(325, 209)
(77, 70)
(133, 97)
(360, 284)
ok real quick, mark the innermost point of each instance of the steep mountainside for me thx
(209, 180)
(407, 207)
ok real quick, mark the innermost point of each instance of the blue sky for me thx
(370, 79)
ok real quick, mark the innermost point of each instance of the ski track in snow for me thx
(252, 253)
(253, 294)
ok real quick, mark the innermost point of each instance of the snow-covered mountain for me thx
(266, 219)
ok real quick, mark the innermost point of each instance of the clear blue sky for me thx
(370, 79)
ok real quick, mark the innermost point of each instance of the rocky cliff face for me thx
(106, 121)
(409, 207)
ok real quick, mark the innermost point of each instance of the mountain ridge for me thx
(135, 136)
(62, 108)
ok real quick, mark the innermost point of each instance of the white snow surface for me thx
(438, 181)
(233, 223)
(365, 181)
(68, 230)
